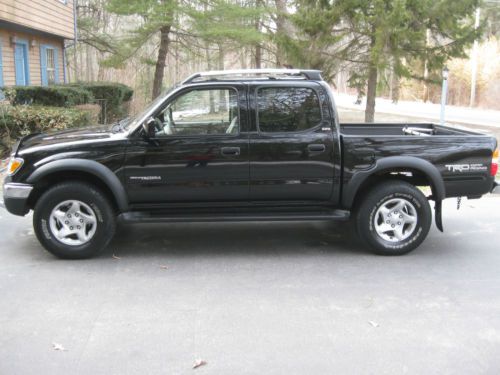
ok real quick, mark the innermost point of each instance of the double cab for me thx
(246, 145)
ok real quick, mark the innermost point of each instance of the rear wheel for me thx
(74, 220)
(394, 218)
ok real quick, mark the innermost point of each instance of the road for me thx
(254, 298)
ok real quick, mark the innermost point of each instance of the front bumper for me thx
(15, 197)
(496, 187)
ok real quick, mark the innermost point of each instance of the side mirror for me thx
(149, 127)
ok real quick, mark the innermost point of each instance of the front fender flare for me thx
(90, 166)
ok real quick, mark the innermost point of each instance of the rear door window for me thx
(287, 109)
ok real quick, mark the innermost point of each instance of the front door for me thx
(292, 143)
(21, 64)
(199, 151)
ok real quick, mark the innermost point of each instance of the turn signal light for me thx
(14, 165)
(494, 163)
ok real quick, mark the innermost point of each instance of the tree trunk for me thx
(160, 62)
(371, 92)
(258, 56)
(283, 29)
(222, 93)
(258, 47)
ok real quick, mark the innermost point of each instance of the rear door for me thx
(291, 143)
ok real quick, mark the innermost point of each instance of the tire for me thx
(394, 218)
(61, 209)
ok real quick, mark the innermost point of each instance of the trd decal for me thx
(465, 167)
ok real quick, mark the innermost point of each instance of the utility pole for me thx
(475, 48)
(444, 95)
(425, 96)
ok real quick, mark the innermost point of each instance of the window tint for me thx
(200, 112)
(287, 109)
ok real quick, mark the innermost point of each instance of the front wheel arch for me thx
(83, 170)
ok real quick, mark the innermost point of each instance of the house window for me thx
(51, 66)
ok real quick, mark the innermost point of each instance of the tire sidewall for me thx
(381, 196)
(86, 194)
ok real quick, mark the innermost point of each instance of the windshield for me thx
(132, 124)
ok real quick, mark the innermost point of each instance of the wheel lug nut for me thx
(399, 223)
(400, 216)
(81, 220)
(71, 228)
(387, 221)
(66, 222)
(76, 215)
(69, 215)
(77, 227)
(392, 226)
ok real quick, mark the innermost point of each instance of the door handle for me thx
(316, 148)
(231, 151)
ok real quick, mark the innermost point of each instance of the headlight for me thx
(14, 165)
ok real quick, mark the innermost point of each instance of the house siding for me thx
(50, 16)
(9, 74)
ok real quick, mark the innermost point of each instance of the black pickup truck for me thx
(248, 145)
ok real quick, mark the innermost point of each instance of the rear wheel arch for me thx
(415, 171)
(87, 171)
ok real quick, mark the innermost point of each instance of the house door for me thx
(21, 63)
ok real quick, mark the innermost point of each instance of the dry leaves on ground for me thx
(57, 346)
(198, 363)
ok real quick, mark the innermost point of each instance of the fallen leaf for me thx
(198, 363)
(374, 324)
(114, 256)
(57, 346)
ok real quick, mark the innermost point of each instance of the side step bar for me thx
(186, 217)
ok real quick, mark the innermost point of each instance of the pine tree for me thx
(373, 35)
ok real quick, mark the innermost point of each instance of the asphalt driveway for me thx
(254, 298)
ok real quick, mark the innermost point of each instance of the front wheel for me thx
(74, 220)
(394, 218)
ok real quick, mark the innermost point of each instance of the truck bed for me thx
(448, 149)
(402, 129)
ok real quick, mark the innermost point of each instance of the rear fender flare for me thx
(89, 166)
(396, 162)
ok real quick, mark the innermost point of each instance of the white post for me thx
(444, 94)
(473, 80)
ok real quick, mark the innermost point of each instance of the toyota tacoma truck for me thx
(245, 145)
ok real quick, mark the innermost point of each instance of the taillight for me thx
(494, 163)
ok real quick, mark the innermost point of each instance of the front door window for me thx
(200, 112)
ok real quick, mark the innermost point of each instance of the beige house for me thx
(32, 36)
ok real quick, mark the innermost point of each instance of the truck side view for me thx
(245, 145)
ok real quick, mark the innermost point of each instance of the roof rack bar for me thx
(314, 75)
